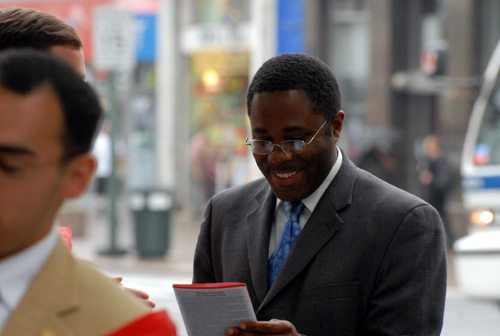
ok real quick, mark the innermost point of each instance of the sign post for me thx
(114, 51)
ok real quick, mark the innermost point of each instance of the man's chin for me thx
(287, 194)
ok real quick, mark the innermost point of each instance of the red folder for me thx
(210, 285)
(66, 233)
(156, 323)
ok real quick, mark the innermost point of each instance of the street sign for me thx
(114, 38)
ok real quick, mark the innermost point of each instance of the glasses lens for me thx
(293, 146)
(261, 146)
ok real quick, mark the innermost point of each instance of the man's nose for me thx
(278, 155)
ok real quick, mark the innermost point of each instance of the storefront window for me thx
(217, 154)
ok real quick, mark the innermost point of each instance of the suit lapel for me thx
(258, 223)
(52, 289)
(321, 227)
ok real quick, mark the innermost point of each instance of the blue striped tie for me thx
(290, 233)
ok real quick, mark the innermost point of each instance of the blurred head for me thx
(48, 119)
(291, 97)
(30, 28)
(432, 146)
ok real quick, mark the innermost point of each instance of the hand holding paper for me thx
(210, 309)
(273, 327)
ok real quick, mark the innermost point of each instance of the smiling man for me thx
(324, 247)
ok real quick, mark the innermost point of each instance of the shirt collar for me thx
(17, 271)
(312, 200)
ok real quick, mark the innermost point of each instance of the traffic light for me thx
(433, 60)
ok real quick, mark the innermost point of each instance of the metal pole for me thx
(113, 249)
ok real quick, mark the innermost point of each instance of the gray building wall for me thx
(400, 101)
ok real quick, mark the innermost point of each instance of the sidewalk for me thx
(96, 237)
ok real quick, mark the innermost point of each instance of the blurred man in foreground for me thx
(48, 119)
(30, 28)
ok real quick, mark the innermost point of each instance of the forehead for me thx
(282, 107)
(33, 120)
(73, 56)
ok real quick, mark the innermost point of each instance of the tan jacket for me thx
(71, 298)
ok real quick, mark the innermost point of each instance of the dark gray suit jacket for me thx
(371, 259)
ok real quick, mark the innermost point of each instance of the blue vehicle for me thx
(477, 255)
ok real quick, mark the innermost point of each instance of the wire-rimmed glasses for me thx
(264, 147)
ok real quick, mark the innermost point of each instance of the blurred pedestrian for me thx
(103, 152)
(379, 162)
(48, 119)
(436, 176)
(202, 159)
(30, 28)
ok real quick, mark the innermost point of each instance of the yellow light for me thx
(211, 79)
(482, 217)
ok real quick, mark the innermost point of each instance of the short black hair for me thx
(298, 72)
(25, 70)
(31, 28)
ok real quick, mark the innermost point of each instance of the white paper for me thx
(210, 311)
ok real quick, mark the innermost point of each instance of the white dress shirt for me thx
(310, 203)
(17, 271)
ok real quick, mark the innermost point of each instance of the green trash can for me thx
(151, 212)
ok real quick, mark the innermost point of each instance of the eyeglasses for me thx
(264, 147)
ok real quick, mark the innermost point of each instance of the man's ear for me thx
(78, 175)
(337, 123)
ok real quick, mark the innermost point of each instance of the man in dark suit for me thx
(324, 247)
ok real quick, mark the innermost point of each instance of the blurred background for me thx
(173, 77)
